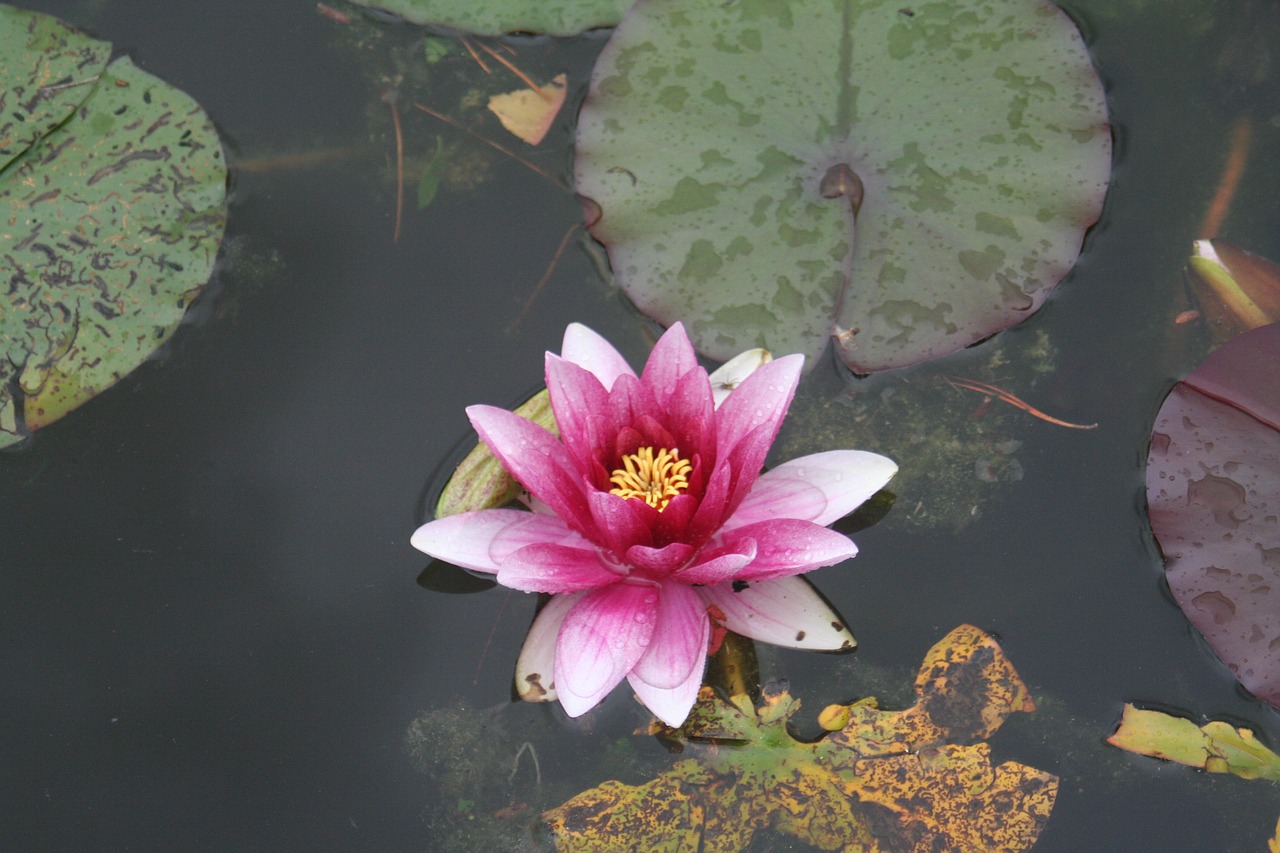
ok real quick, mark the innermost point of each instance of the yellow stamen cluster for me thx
(653, 479)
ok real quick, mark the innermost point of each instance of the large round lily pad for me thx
(728, 146)
(1213, 494)
(110, 219)
(495, 17)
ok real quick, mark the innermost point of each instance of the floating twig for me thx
(546, 275)
(1005, 397)
(395, 120)
(466, 42)
(511, 66)
(514, 156)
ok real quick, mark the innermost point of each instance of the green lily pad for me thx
(495, 17)
(112, 222)
(908, 178)
(46, 70)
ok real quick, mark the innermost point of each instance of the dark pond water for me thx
(213, 634)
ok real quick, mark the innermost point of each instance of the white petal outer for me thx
(679, 642)
(785, 611)
(481, 540)
(588, 349)
(600, 641)
(672, 705)
(729, 375)
(535, 680)
(821, 487)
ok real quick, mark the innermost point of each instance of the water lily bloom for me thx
(652, 521)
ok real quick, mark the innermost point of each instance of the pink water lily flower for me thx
(652, 521)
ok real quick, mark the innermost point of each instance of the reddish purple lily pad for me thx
(1213, 494)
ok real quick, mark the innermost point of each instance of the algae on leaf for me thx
(913, 780)
(905, 179)
(112, 219)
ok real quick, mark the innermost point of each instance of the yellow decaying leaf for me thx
(879, 782)
(1273, 845)
(1216, 746)
(528, 113)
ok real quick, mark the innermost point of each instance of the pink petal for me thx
(679, 644)
(690, 414)
(659, 562)
(579, 402)
(721, 567)
(671, 358)
(785, 612)
(481, 540)
(535, 680)
(629, 402)
(600, 641)
(821, 487)
(545, 567)
(672, 704)
(761, 400)
(536, 459)
(620, 522)
(587, 349)
(789, 546)
(713, 508)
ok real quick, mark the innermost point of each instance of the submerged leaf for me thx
(910, 780)
(429, 183)
(122, 208)
(496, 17)
(1213, 496)
(907, 180)
(1216, 746)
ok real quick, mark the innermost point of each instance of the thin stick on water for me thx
(546, 276)
(514, 156)
(1005, 397)
(511, 66)
(395, 120)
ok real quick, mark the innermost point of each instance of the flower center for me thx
(653, 479)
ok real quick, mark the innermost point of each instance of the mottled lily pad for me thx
(46, 70)
(111, 222)
(1213, 494)
(495, 17)
(906, 177)
(878, 780)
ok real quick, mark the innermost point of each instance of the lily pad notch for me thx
(906, 181)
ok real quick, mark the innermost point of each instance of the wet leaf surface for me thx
(1213, 494)
(1217, 747)
(909, 180)
(112, 222)
(912, 780)
(495, 17)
